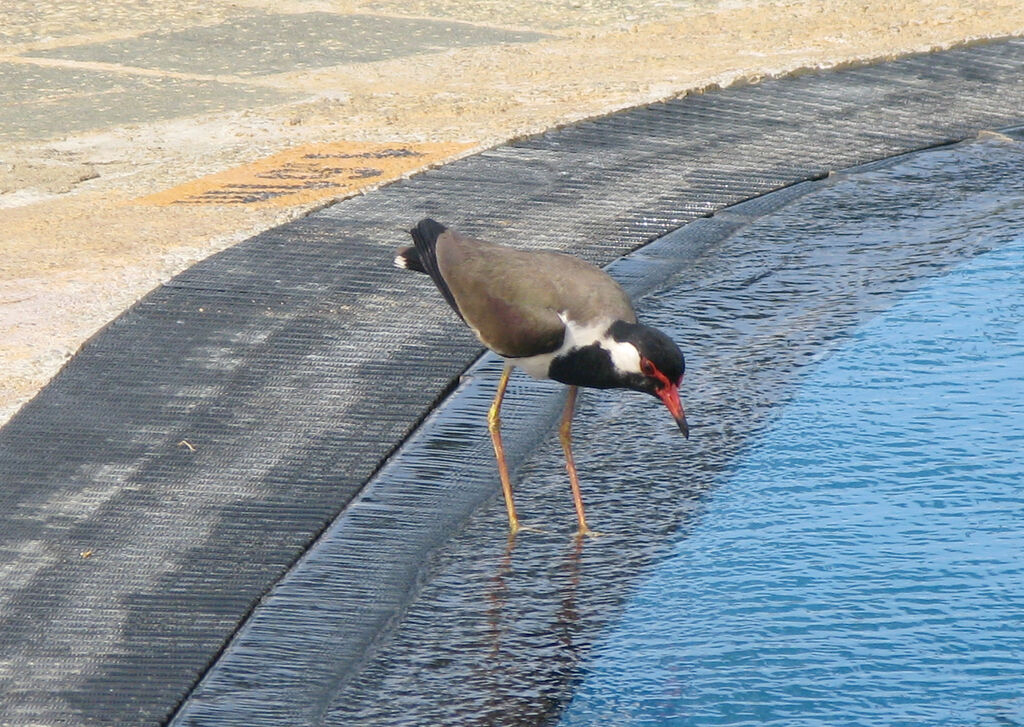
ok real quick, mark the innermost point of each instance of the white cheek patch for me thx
(624, 355)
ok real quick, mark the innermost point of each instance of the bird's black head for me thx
(660, 368)
(654, 348)
(627, 356)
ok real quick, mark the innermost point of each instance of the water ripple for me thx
(850, 557)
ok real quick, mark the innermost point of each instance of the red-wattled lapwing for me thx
(554, 316)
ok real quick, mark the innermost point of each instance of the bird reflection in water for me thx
(560, 656)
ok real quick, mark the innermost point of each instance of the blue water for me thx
(863, 562)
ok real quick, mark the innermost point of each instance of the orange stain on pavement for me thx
(308, 174)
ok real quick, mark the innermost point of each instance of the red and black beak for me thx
(669, 394)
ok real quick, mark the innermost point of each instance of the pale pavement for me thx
(137, 138)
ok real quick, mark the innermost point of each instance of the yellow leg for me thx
(494, 425)
(565, 435)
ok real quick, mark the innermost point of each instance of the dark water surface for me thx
(824, 547)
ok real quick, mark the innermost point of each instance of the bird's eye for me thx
(646, 367)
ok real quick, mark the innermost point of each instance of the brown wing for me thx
(512, 298)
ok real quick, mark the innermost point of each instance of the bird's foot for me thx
(588, 533)
(519, 527)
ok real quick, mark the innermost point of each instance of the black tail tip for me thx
(427, 229)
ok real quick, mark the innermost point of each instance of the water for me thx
(426, 613)
(861, 562)
(838, 542)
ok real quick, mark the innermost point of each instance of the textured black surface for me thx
(294, 362)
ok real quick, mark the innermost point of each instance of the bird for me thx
(554, 316)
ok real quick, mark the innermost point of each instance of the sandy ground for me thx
(92, 221)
